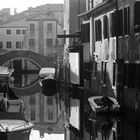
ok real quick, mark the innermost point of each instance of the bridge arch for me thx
(40, 60)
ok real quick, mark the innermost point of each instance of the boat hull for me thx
(16, 135)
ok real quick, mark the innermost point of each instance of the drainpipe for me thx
(119, 62)
(117, 41)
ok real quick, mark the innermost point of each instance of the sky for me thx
(22, 5)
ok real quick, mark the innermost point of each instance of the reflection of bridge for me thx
(36, 58)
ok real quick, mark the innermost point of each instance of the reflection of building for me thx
(36, 30)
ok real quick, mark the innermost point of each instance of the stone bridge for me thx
(36, 58)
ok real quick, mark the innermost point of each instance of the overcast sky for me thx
(22, 5)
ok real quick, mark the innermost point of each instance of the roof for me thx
(31, 12)
(99, 8)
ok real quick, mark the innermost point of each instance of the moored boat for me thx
(48, 81)
(103, 104)
(14, 126)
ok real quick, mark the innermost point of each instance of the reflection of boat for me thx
(48, 81)
(102, 124)
(13, 126)
(103, 104)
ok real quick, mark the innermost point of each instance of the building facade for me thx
(114, 29)
(109, 34)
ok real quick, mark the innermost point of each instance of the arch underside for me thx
(40, 60)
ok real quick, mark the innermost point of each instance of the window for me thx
(1, 44)
(32, 28)
(102, 70)
(18, 32)
(137, 76)
(50, 100)
(114, 74)
(129, 74)
(8, 31)
(95, 69)
(31, 43)
(50, 115)
(87, 70)
(32, 100)
(19, 44)
(32, 117)
(120, 22)
(98, 30)
(32, 105)
(49, 42)
(9, 44)
(49, 27)
(136, 16)
(112, 17)
(106, 29)
(23, 31)
(105, 73)
(85, 28)
(126, 20)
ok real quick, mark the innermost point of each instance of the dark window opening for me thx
(137, 16)
(33, 113)
(102, 70)
(49, 27)
(19, 44)
(1, 44)
(49, 42)
(112, 20)
(9, 44)
(85, 33)
(120, 22)
(98, 30)
(114, 74)
(95, 69)
(23, 31)
(32, 28)
(105, 73)
(137, 77)
(87, 70)
(32, 43)
(18, 31)
(106, 29)
(8, 31)
(49, 100)
(129, 75)
(50, 115)
(32, 100)
(126, 20)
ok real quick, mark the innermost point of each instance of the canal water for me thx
(122, 127)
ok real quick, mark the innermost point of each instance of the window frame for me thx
(8, 31)
(18, 31)
(8, 44)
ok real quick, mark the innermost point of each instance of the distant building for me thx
(4, 14)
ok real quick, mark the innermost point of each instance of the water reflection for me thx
(25, 72)
(114, 128)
